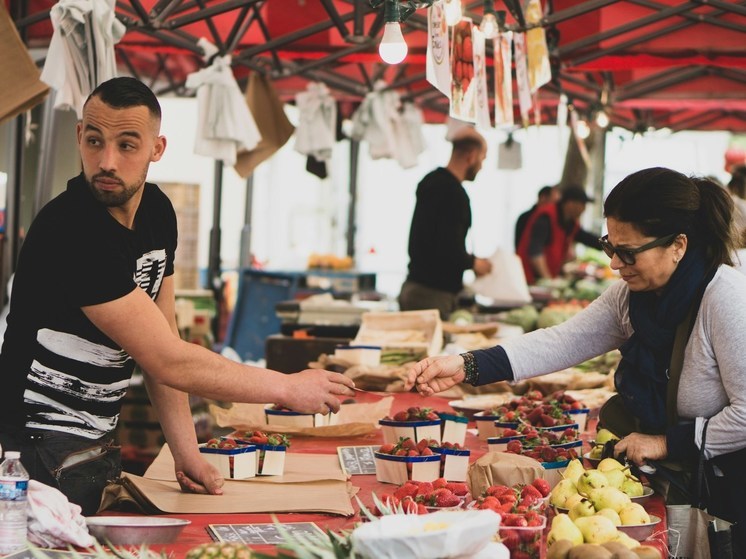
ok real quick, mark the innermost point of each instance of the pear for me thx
(627, 541)
(563, 528)
(573, 500)
(612, 515)
(608, 464)
(573, 470)
(616, 478)
(561, 492)
(634, 513)
(632, 487)
(604, 435)
(596, 529)
(596, 452)
(590, 480)
(609, 498)
(584, 507)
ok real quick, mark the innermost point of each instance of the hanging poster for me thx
(438, 66)
(582, 148)
(481, 100)
(503, 79)
(521, 78)
(539, 70)
(463, 89)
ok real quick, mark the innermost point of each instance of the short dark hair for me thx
(125, 92)
(660, 202)
(467, 144)
(545, 191)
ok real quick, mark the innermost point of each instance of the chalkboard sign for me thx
(51, 553)
(357, 460)
(260, 534)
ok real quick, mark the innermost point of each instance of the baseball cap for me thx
(574, 193)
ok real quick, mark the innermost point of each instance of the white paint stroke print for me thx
(71, 385)
(76, 348)
(150, 269)
(92, 426)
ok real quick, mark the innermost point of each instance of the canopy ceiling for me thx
(653, 63)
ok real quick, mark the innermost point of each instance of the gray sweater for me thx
(713, 377)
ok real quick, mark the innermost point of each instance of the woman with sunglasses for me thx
(670, 239)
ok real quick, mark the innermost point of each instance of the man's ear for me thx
(158, 149)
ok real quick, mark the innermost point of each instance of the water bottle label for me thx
(13, 490)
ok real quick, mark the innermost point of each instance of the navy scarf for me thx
(642, 376)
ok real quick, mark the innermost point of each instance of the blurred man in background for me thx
(547, 194)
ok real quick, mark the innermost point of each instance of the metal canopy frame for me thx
(349, 63)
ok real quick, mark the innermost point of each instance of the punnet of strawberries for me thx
(533, 438)
(542, 453)
(522, 534)
(564, 401)
(518, 499)
(262, 438)
(415, 413)
(226, 443)
(407, 447)
(416, 497)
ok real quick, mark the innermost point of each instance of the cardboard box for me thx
(399, 469)
(232, 463)
(402, 330)
(416, 430)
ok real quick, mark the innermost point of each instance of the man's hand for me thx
(199, 477)
(639, 447)
(435, 374)
(316, 391)
(482, 267)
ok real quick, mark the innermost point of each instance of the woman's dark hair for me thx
(737, 183)
(659, 202)
(126, 92)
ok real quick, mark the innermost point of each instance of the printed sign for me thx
(259, 534)
(438, 66)
(357, 460)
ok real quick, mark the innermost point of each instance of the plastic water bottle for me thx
(13, 493)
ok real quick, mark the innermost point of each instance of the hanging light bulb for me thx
(582, 130)
(453, 11)
(489, 24)
(602, 119)
(393, 47)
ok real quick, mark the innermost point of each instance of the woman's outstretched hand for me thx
(435, 374)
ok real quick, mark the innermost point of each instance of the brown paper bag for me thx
(267, 110)
(22, 89)
(502, 468)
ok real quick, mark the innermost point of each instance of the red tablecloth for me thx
(196, 533)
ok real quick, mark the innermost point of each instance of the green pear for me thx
(590, 480)
(615, 478)
(612, 515)
(561, 492)
(604, 435)
(596, 529)
(596, 452)
(573, 500)
(584, 507)
(573, 470)
(609, 498)
(627, 541)
(608, 464)
(634, 513)
(563, 528)
(632, 487)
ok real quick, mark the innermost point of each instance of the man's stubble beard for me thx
(115, 199)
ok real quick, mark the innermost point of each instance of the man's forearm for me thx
(175, 416)
(539, 264)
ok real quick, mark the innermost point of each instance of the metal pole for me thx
(352, 208)
(244, 258)
(15, 192)
(43, 192)
(213, 269)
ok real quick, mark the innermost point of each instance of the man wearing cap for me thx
(442, 217)
(550, 233)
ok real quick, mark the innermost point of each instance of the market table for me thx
(196, 532)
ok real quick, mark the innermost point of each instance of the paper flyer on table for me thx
(438, 63)
(503, 79)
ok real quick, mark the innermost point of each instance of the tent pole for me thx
(213, 268)
(244, 258)
(43, 191)
(352, 208)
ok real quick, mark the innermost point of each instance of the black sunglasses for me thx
(627, 255)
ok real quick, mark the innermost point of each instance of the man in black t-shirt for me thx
(442, 217)
(93, 294)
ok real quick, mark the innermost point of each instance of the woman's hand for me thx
(639, 448)
(435, 374)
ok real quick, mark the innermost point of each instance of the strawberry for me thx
(440, 482)
(489, 503)
(425, 488)
(426, 452)
(447, 499)
(517, 520)
(387, 448)
(458, 488)
(515, 447)
(548, 454)
(497, 490)
(409, 489)
(510, 539)
(547, 420)
(542, 485)
(422, 444)
(401, 416)
(407, 443)
(531, 491)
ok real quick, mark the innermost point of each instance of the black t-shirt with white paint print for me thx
(57, 370)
